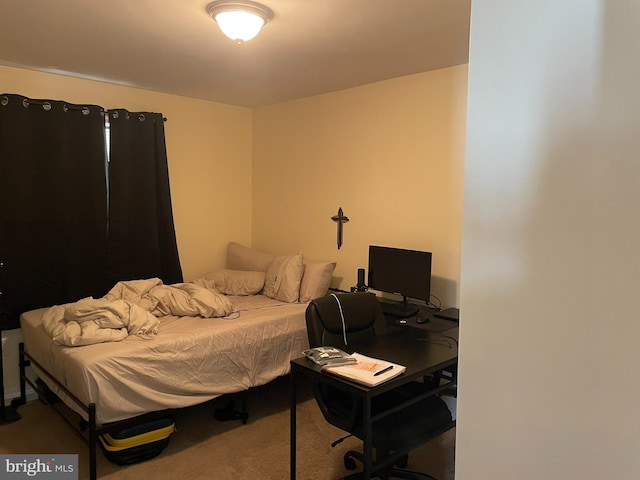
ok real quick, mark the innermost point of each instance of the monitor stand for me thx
(399, 309)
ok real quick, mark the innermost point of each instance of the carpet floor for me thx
(205, 448)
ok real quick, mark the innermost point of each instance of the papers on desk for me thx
(367, 370)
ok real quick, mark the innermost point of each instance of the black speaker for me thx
(361, 285)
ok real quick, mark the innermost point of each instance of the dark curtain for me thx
(142, 240)
(53, 214)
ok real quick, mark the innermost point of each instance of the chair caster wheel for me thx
(402, 461)
(349, 463)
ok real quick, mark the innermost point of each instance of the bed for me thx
(190, 359)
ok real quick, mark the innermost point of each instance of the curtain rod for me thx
(46, 104)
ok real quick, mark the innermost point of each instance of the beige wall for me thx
(390, 154)
(548, 383)
(209, 151)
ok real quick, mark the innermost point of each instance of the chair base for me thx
(384, 472)
(390, 473)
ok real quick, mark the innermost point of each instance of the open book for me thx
(367, 371)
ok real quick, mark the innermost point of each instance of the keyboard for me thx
(398, 309)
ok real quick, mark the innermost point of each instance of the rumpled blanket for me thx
(91, 320)
(130, 308)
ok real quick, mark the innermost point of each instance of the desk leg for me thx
(367, 447)
(292, 425)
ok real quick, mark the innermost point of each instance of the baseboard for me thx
(10, 396)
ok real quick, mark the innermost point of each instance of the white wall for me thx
(549, 329)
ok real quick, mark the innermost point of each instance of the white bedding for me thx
(189, 361)
(130, 308)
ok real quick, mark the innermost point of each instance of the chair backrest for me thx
(360, 313)
(335, 317)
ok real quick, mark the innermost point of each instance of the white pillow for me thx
(316, 279)
(282, 279)
(235, 282)
(240, 257)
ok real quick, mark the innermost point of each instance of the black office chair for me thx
(352, 317)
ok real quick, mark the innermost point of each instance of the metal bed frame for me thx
(90, 427)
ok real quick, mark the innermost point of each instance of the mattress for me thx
(190, 360)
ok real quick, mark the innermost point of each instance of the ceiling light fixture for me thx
(240, 21)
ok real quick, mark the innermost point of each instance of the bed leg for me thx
(244, 414)
(93, 441)
(229, 412)
(23, 364)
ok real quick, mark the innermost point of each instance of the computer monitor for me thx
(401, 272)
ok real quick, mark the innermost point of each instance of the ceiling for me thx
(310, 47)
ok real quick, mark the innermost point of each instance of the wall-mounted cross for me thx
(340, 220)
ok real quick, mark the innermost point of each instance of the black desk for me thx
(433, 323)
(423, 353)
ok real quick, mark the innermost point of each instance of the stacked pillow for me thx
(233, 282)
(288, 278)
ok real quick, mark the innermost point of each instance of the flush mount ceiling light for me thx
(240, 21)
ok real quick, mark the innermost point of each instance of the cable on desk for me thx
(443, 340)
(433, 305)
(453, 339)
